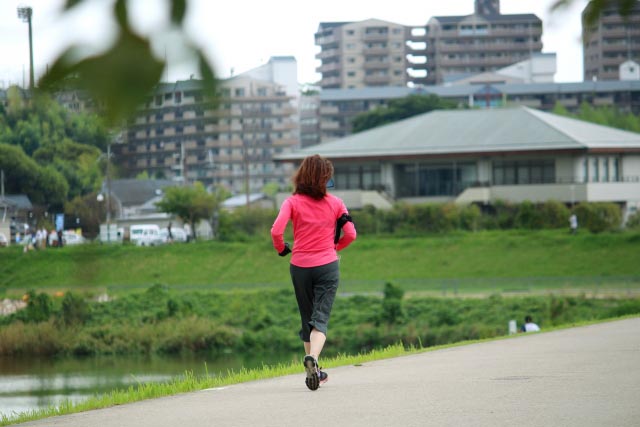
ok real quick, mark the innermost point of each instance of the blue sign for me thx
(59, 222)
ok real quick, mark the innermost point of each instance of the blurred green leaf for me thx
(120, 12)
(595, 8)
(119, 79)
(69, 4)
(209, 81)
(178, 10)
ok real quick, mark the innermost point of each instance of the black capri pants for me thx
(315, 289)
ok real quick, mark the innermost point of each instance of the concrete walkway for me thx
(587, 376)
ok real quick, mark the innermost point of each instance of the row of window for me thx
(375, 30)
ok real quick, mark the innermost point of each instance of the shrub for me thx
(633, 222)
(392, 304)
(554, 214)
(527, 216)
(74, 311)
(599, 217)
(39, 308)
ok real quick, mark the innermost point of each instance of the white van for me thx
(145, 235)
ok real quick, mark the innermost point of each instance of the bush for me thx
(39, 308)
(633, 222)
(528, 216)
(392, 304)
(599, 217)
(75, 310)
(555, 214)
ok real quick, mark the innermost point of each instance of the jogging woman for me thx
(317, 218)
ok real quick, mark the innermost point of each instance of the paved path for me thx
(587, 376)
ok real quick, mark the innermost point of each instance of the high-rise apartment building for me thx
(610, 42)
(454, 47)
(362, 54)
(180, 134)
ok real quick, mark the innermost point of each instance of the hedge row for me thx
(412, 219)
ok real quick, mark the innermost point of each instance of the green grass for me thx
(467, 262)
(189, 382)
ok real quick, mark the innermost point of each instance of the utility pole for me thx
(25, 13)
(108, 193)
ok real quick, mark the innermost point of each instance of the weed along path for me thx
(585, 376)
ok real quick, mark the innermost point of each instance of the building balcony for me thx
(286, 126)
(377, 80)
(333, 66)
(376, 65)
(328, 53)
(376, 50)
(323, 40)
(375, 37)
(329, 125)
(329, 109)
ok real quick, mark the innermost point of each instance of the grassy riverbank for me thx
(189, 383)
(488, 261)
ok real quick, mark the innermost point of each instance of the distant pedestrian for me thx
(529, 326)
(573, 223)
(318, 219)
(169, 233)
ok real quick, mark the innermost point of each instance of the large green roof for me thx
(453, 132)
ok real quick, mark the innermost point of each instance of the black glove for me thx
(339, 224)
(286, 250)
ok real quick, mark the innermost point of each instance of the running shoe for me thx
(313, 379)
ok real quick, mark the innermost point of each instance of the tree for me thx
(89, 211)
(399, 109)
(55, 138)
(605, 116)
(191, 204)
(43, 185)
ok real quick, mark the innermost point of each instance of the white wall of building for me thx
(540, 193)
(282, 70)
(629, 70)
(631, 167)
(541, 68)
(566, 169)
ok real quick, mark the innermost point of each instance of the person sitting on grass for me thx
(529, 326)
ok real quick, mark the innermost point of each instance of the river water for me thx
(34, 383)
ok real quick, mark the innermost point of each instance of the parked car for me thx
(137, 231)
(146, 235)
(72, 238)
(179, 235)
(4, 242)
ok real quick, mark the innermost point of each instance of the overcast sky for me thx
(243, 34)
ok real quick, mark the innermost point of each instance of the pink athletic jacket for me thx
(314, 225)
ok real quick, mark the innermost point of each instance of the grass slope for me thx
(418, 263)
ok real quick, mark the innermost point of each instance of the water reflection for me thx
(31, 383)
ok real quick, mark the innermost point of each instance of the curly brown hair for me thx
(312, 176)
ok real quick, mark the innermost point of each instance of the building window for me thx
(178, 97)
(434, 180)
(523, 172)
(364, 177)
(239, 92)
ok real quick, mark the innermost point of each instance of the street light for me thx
(25, 13)
(100, 197)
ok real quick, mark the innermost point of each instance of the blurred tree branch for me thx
(596, 7)
(122, 78)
